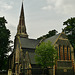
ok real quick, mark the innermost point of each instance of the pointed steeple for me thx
(21, 30)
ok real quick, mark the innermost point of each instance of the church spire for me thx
(21, 30)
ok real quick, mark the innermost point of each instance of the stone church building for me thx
(22, 60)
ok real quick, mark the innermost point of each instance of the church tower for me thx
(21, 30)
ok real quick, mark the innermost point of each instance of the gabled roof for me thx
(52, 39)
(60, 38)
(32, 43)
(29, 43)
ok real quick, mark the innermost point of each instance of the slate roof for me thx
(32, 43)
(52, 39)
(29, 43)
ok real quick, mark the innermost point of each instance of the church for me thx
(22, 59)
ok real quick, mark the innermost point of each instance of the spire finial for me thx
(22, 0)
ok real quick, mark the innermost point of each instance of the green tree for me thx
(70, 30)
(4, 44)
(49, 34)
(46, 54)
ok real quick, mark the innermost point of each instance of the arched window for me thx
(69, 53)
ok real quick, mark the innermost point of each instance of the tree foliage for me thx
(50, 33)
(4, 43)
(45, 54)
(70, 30)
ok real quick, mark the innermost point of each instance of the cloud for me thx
(61, 6)
(47, 7)
(5, 6)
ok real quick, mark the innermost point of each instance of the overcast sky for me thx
(41, 16)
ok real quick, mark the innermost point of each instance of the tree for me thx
(4, 43)
(46, 54)
(50, 33)
(70, 30)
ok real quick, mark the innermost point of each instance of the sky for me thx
(41, 16)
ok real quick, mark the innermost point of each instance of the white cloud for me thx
(61, 6)
(47, 7)
(5, 6)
